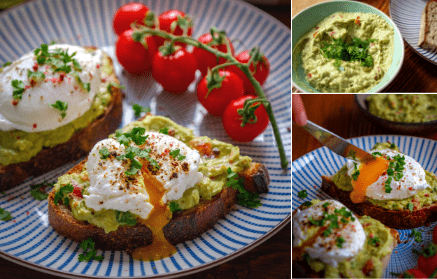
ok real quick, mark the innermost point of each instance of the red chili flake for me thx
(34, 125)
(45, 80)
(315, 33)
(35, 67)
(61, 77)
(98, 66)
(341, 16)
(18, 137)
(32, 82)
(53, 80)
(371, 235)
(26, 87)
(310, 75)
(384, 173)
(47, 67)
(367, 224)
(357, 21)
(27, 212)
(75, 88)
(332, 33)
(410, 188)
(103, 80)
(14, 102)
(15, 221)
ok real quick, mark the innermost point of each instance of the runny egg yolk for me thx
(158, 218)
(370, 172)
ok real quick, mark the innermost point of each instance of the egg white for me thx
(410, 184)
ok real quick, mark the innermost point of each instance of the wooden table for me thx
(416, 74)
(271, 259)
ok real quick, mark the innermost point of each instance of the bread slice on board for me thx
(301, 269)
(184, 225)
(398, 219)
(79, 145)
(428, 27)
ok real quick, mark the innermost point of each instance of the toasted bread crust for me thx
(302, 269)
(399, 219)
(79, 145)
(424, 40)
(185, 225)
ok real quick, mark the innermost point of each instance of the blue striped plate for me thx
(406, 14)
(29, 240)
(308, 169)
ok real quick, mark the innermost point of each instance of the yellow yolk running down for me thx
(370, 172)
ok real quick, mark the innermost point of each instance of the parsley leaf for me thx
(62, 191)
(174, 207)
(38, 194)
(18, 86)
(135, 166)
(374, 241)
(104, 152)
(91, 254)
(175, 154)
(139, 109)
(417, 235)
(125, 218)
(355, 175)
(5, 215)
(35, 76)
(387, 184)
(307, 204)
(245, 198)
(340, 240)
(302, 194)
(61, 106)
(7, 64)
(164, 130)
(410, 206)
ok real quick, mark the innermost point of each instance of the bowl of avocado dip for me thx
(344, 46)
(404, 113)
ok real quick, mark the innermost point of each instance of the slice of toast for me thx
(398, 219)
(428, 27)
(184, 225)
(79, 145)
(301, 269)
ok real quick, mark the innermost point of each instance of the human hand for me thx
(298, 113)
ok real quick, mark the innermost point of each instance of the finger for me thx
(299, 115)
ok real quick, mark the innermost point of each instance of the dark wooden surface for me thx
(271, 259)
(416, 74)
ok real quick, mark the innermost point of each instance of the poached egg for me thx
(342, 243)
(372, 179)
(34, 111)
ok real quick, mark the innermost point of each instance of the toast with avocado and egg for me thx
(55, 104)
(329, 241)
(156, 176)
(403, 196)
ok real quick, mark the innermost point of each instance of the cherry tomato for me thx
(217, 99)
(206, 59)
(127, 14)
(175, 71)
(133, 56)
(260, 73)
(427, 265)
(77, 191)
(413, 273)
(232, 121)
(165, 23)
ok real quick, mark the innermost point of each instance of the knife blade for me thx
(337, 144)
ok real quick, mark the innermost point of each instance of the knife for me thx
(337, 144)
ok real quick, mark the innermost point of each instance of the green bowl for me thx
(307, 19)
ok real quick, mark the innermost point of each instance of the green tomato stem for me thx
(229, 57)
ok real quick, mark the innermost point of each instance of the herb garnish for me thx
(125, 218)
(91, 254)
(62, 191)
(307, 204)
(394, 170)
(175, 154)
(356, 50)
(135, 166)
(104, 153)
(164, 130)
(302, 194)
(417, 235)
(18, 86)
(356, 172)
(333, 218)
(38, 190)
(410, 206)
(135, 135)
(5, 215)
(374, 241)
(139, 109)
(61, 106)
(7, 64)
(340, 240)
(174, 207)
(57, 59)
(35, 76)
(245, 198)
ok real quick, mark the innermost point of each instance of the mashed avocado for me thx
(354, 268)
(345, 66)
(421, 199)
(18, 146)
(213, 168)
(407, 108)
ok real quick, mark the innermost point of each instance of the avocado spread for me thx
(18, 146)
(407, 108)
(347, 52)
(214, 168)
(355, 267)
(422, 198)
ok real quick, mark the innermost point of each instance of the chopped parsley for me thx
(104, 153)
(175, 154)
(116, 85)
(356, 50)
(139, 109)
(325, 205)
(333, 218)
(410, 206)
(376, 153)
(355, 175)
(125, 218)
(135, 166)
(340, 240)
(61, 106)
(352, 154)
(135, 135)
(174, 207)
(302, 194)
(429, 251)
(57, 59)
(417, 235)
(7, 64)
(164, 130)
(38, 190)
(35, 76)
(5, 215)
(374, 241)
(133, 151)
(307, 204)
(89, 252)
(18, 86)
(245, 198)
(394, 170)
(62, 191)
